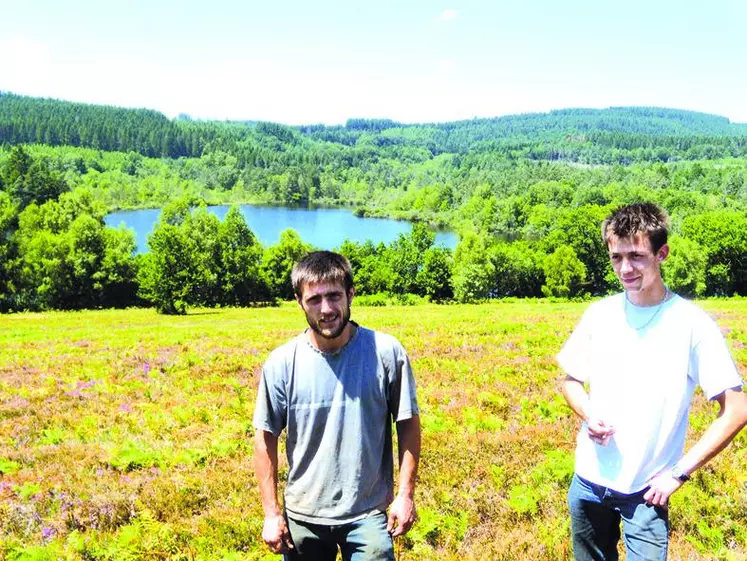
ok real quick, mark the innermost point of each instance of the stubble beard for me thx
(325, 333)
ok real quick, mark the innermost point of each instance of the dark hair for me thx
(321, 266)
(638, 218)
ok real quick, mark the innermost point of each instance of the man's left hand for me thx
(401, 516)
(661, 488)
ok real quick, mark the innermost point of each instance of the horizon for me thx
(343, 124)
(300, 64)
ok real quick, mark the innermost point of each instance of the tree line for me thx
(57, 253)
(615, 135)
(524, 193)
(431, 189)
(147, 132)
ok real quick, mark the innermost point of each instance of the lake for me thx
(325, 228)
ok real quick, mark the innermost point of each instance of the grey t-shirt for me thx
(337, 409)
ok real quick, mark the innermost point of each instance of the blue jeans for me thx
(596, 512)
(363, 540)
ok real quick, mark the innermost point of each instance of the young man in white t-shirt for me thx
(641, 353)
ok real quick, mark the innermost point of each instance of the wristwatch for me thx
(677, 473)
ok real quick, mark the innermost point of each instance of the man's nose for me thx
(326, 305)
(625, 265)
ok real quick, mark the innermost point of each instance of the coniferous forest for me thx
(525, 193)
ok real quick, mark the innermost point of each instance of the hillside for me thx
(55, 123)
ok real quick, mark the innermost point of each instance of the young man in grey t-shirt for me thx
(335, 389)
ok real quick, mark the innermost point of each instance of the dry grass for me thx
(125, 435)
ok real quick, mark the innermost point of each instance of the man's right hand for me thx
(599, 432)
(276, 535)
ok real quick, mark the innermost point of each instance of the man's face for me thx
(327, 307)
(635, 263)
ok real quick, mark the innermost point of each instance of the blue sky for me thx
(303, 62)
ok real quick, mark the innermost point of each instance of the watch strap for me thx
(677, 473)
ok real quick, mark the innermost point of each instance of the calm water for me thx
(325, 228)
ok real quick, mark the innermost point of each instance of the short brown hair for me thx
(321, 266)
(638, 218)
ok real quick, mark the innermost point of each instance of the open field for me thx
(126, 435)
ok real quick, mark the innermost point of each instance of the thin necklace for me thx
(656, 312)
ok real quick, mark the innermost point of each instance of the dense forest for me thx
(525, 193)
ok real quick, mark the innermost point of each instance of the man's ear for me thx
(663, 253)
(351, 293)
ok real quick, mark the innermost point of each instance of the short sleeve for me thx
(403, 403)
(271, 406)
(575, 356)
(711, 364)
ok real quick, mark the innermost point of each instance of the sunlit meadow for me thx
(127, 435)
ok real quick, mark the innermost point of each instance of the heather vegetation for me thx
(126, 434)
(525, 194)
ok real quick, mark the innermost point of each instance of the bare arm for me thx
(578, 400)
(275, 531)
(576, 396)
(402, 510)
(731, 419)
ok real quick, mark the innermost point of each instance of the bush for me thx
(377, 299)
(564, 273)
(684, 271)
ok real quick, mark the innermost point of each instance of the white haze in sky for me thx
(413, 61)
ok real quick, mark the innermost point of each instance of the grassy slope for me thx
(124, 434)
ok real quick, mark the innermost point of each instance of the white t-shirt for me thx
(642, 365)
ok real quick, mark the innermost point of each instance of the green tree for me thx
(580, 229)
(197, 260)
(168, 273)
(8, 224)
(371, 267)
(434, 278)
(118, 269)
(564, 273)
(517, 269)
(43, 274)
(684, 270)
(68, 259)
(172, 275)
(29, 181)
(202, 228)
(240, 259)
(481, 211)
(473, 270)
(405, 256)
(723, 235)
(278, 261)
(18, 164)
